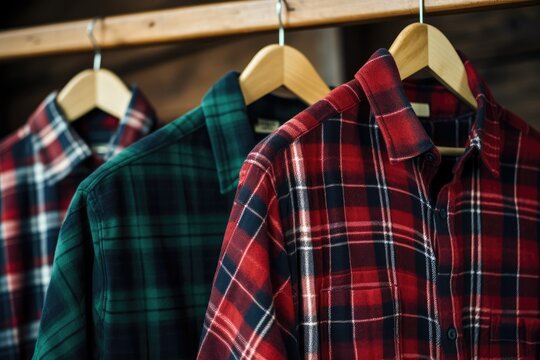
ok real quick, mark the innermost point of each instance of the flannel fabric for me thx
(352, 237)
(137, 253)
(41, 166)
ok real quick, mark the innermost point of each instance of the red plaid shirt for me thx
(351, 237)
(41, 166)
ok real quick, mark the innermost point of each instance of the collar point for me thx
(409, 152)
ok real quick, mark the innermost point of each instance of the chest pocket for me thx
(361, 321)
(512, 338)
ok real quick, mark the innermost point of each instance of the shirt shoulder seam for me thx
(93, 200)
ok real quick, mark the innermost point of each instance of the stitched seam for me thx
(96, 203)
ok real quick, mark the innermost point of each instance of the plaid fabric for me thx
(41, 166)
(351, 237)
(137, 253)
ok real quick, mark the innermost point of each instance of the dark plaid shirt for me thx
(351, 237)
(41, 166)
(138, 250)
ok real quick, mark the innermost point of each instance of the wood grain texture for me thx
(204, 21)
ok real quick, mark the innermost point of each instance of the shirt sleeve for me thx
(251, 311)
(63, 331)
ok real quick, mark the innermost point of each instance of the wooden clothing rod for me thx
(226, 18)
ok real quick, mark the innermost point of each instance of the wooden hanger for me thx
(279, 65)
(420, 46)
(94, 88)
(274, 66)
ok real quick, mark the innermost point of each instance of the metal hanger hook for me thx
(281, 29)
(421, 11)
(97, 50)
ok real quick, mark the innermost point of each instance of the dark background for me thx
(503, 44)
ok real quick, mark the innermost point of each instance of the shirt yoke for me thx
(168, 135)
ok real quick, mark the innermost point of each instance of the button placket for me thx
(444, 257)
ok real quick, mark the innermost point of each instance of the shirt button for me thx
(443, 214)
(451, 333)
(430, 157)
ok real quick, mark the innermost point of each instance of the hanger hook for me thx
(97, 50)
(281, 30)
(421, 11)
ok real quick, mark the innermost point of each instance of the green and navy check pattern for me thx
(136, 256)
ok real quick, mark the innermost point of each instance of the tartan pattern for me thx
(352, 237)
(41, 166)
(140, 244)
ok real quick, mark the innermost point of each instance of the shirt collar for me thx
(403, 133)
(231, 135)
(58, 147)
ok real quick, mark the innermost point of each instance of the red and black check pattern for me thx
(41, 166)
(352, 237)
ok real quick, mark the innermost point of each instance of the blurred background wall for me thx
(503, 44)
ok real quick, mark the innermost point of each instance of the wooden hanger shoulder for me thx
(94, 89)
(301, 78)
(274, 66)
(78, 96)
(411, 56)
(446, 65)
(421, 45)
(263, 74)
(113, 96)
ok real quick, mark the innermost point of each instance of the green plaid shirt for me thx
(137, 252)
